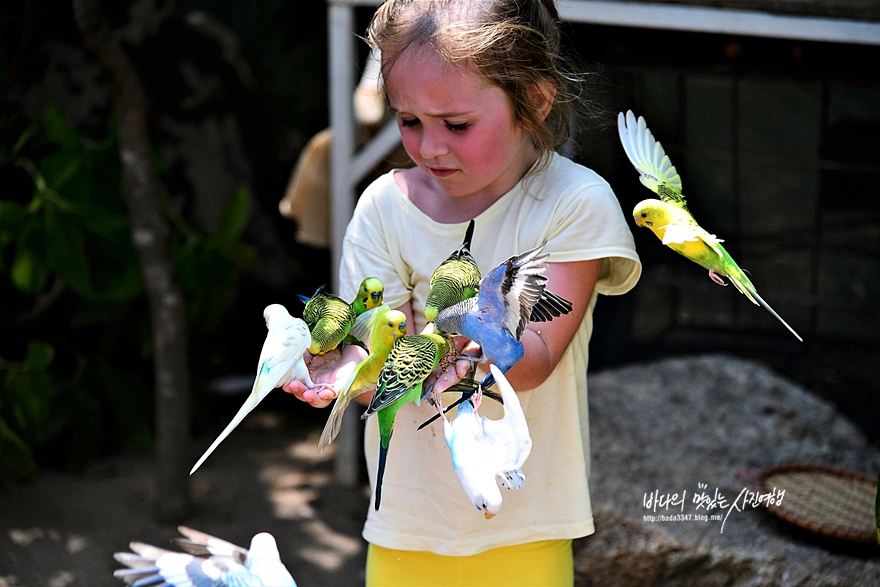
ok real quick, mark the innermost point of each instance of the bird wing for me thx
(550, 306)
(455, 279)
(363, 325)
(510, 291)
(285, 344)
(411, 360)
(648, 157)
(150, 565)
(687, 230)
(202, 544)
(508, 439)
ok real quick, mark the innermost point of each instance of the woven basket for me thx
(828, 501)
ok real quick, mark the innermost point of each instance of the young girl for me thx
(482, 101)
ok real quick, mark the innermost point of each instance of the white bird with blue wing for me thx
(488, 452)
(207, 562)
(281, 361)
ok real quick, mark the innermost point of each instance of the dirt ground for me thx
(62, 530)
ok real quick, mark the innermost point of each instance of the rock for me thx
(688, 426)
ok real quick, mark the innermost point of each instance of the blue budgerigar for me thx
(208, 561)
(498, 315)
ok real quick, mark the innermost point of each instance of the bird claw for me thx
(477, 398)
(716, 277)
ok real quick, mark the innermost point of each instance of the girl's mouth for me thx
(441, 171)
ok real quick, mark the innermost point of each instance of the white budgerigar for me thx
(207, 561)
(488, 452)
(281, 361)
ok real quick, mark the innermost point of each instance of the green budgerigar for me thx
(370, 295)
(385, 327)
(329, 319)
(411, 360)
(669, 219)
(456, 279)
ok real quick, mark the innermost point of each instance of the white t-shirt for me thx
(424, 507)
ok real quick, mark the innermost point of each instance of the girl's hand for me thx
(333, 368)
(444, 378)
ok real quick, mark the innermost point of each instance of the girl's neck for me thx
(420, 188)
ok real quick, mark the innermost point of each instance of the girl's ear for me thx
(541, 96)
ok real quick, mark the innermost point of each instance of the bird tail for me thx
(383, 456)
(243, 411)
(334, 421)
(766, 306)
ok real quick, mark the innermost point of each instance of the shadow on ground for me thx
(62, 530)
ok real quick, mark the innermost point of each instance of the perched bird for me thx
(456, 279)
(496, 318)
(411, 360)
(281, 361)
(385, 327)
(669, 219)
(488, 452)
(370, 295)
(329, 319)
(208, 561)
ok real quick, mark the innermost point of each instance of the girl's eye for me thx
(457, 127)
(409, 121)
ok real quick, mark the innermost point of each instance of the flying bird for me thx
(281, 361)
(207, 562)
(411, 360)
(669, 218)
(385, 326)
(486, 453)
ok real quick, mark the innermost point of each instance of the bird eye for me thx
(644, 214)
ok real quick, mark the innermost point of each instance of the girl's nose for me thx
(432, 144)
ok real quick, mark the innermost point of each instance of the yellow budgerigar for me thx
(669, 219)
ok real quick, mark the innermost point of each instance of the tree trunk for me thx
(151, 236)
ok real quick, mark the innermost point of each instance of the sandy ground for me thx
(62, 530)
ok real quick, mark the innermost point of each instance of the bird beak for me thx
(489, 515)
(637, 220)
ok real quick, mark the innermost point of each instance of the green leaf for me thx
(28, 274)
(235, 216)
(65, 251)
(58, 131)
(11, 215)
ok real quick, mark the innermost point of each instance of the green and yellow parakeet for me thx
(669, 219)
(456, 279)
(370, 295)
(385, 326)
(411, 360)
(329, 318)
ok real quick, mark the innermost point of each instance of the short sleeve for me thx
(588, 223)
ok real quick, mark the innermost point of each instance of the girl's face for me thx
(457, 128)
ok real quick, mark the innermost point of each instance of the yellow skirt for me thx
(545, 564)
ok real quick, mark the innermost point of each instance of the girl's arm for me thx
(545, 342)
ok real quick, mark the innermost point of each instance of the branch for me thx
(151, 236)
